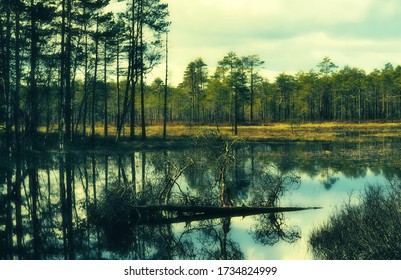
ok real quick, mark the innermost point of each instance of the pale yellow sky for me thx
(289, 35)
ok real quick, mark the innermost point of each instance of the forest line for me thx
(70, 67)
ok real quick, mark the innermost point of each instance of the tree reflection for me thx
(84, 205)
(214, 176)
(272, 228)
(370, 230)
(215, 241)
(270, 186)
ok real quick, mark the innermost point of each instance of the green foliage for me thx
(64, 75)
(235, 92)
(326, 67)
(369, 230)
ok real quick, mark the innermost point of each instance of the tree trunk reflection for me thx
(82, 205)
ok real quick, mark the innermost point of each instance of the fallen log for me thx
(178, 214)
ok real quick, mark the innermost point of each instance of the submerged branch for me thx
(179, 214)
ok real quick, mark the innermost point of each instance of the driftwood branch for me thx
(170, 182)
(179, 214)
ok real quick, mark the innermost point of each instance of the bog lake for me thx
(83, 204)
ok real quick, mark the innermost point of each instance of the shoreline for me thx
(179, 136)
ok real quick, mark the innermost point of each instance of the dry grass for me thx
(329, 131)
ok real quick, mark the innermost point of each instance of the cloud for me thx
(272, 16)
(290, 35)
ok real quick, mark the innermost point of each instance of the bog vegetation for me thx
(369, 230)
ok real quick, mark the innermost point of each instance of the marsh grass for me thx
(282, 131)
(370, 230)
(178, 133)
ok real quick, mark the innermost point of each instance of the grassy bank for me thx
(178, 135)
(280, 131)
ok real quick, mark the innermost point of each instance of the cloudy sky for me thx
(289, 35)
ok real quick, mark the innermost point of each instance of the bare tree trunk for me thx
(165, 94)
(129, 101)
(236, 112)
(126, 102)
(17, 81)
(105, 90)
(94, 83)
(86, 74)
(118, 85)
(252, 94)
(62, 79)
(143, 122)
(6, 82)
(68, 95)
(33, 93)
(134, 70)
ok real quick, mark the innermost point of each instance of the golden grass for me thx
(329, 131)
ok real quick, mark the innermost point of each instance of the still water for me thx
(84, 204)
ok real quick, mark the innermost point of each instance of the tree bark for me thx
(105, 90)
(143, 122)
(165, 94)
(33, 92)
(94, 83)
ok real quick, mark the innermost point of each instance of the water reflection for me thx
(83, 205)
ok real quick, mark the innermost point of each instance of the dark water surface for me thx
(82, 204)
